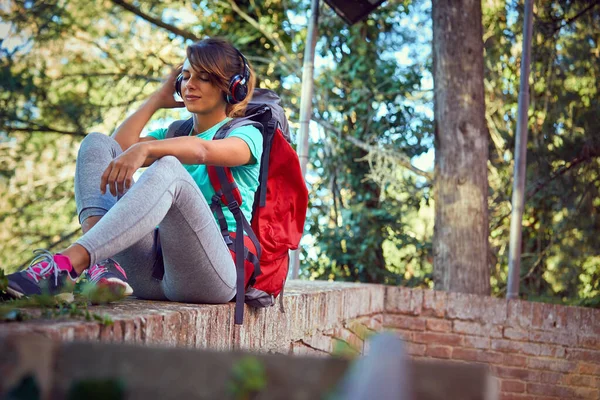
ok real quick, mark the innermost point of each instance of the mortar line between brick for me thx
(314, 348)
(385, 298)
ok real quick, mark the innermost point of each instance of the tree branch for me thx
(156, 21)
(257, 59)
(400, 159)
(588, 154)
(111, 74)
(276, 41)
(93, 42)
(536, 264)
(41, 128)
(576, 16)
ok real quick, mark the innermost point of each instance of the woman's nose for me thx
(189, 85)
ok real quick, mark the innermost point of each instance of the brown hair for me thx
(221, 61)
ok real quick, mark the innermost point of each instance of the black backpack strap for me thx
(180, 128)
(264, 166)
(241, 251)
(239, 262)
(215, 206)
(224, 193)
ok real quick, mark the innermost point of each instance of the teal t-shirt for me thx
(246, 176)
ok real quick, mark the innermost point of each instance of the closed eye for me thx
(200, 78)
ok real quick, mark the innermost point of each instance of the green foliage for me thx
(343, 349)
(65, 305)
(560, 257)
(91, 389)
(3, 282)
(248, 378)
(50, 307)
(26, 389)
(101, 294)
(362, 201)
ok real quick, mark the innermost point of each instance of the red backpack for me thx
(261, 256)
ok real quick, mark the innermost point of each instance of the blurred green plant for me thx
(248, 378)
(343, 349)
(98, 295)
(73, 306)
(3, 282)
(97, 389)
(27, 389)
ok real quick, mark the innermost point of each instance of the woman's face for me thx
(199, 95)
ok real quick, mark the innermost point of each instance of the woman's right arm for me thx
(128, 133)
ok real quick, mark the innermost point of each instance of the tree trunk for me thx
(460, 243)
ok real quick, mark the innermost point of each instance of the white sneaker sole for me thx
(116, 282)
(128, 289)
(14, 293)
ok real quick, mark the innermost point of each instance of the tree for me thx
(460, 243)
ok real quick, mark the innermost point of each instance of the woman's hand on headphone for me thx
(163, 97)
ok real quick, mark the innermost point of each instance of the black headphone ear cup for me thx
(238, 89)
(178, 84)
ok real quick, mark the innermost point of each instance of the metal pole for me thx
(518, 195)
(306, 105)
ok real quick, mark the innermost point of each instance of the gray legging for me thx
(198, 265)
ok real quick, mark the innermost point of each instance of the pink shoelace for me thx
(95, 272)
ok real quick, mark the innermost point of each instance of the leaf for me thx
(26, 389)
(91, 389)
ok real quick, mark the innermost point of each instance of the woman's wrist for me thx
(145, 148)
(153, 103)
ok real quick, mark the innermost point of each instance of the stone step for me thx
(103, 370)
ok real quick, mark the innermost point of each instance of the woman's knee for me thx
(94, 138)
(167, 166)
(167, 162)
(95, 141)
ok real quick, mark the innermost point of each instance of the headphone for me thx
(238, 84)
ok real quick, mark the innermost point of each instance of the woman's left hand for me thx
(119, 173)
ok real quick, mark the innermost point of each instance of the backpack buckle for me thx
(215, 201)
(234, 207)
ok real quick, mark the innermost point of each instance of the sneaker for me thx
(47, 274)
(109, 282)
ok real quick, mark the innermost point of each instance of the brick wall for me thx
(315, 313)
(536, 350)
